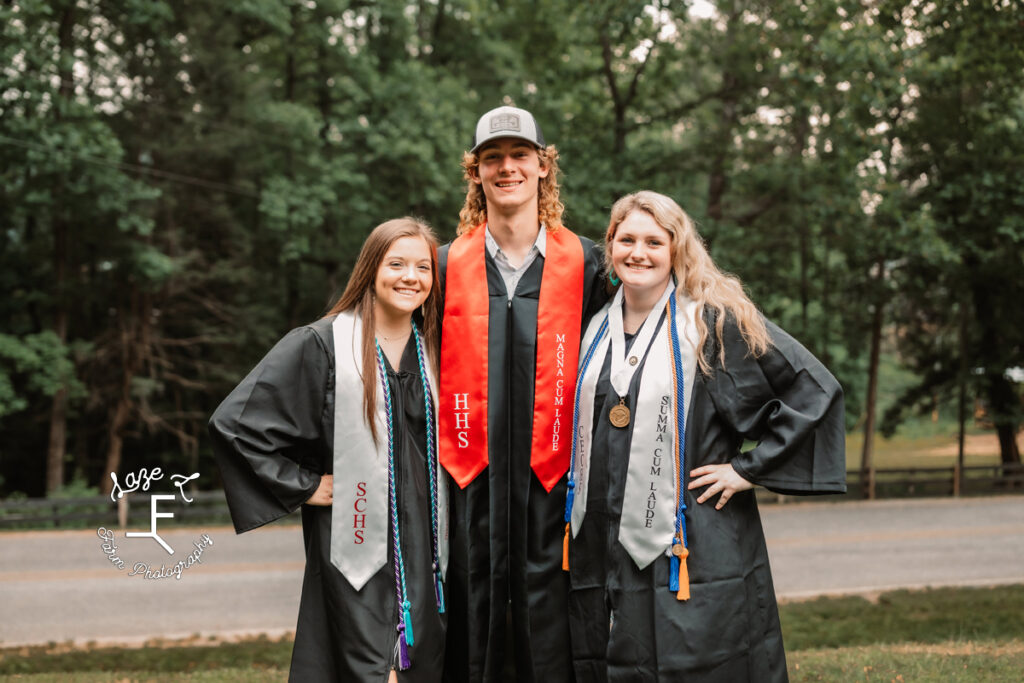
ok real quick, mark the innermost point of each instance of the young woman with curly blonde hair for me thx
(677, 372)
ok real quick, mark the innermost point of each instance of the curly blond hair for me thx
(696, 272)
(550, 207)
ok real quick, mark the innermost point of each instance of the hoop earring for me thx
(614, 280)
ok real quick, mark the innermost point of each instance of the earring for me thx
(614, 280)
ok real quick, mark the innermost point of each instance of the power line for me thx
(127, 167)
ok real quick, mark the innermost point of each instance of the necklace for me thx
(623, 369)
(393, 337)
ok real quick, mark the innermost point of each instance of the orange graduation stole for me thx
(462, 418)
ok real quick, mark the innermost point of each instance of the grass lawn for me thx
(925, 617)
(225, 675)
(921, 440)
(989, 662)
(965, 634)
(928, 450)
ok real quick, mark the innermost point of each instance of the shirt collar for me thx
(540, 244)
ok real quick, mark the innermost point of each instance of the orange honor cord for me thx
(462, 397)
(684, 577)
(565, 549)
(559, 319)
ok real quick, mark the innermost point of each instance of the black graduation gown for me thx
(506, 530)
(273, 437)
(626, 624)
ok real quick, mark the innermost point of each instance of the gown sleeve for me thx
(266, 432)
(595, 291)
(791, 406)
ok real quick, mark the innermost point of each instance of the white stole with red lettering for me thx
(359, 515)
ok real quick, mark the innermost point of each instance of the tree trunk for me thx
(717, 183)
(958, 481)
(135, 342)
(1002, 401)
(805, 285)
(57, 444)
(57, 441)
(867, 466)
(826, 292)
(115, 440)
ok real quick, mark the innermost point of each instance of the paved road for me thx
(59, 586)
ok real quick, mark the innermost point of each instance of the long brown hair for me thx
(359, 297)
(696, 272)
(549, 206)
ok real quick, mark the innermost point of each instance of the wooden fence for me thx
(210, 506)
(921, 482)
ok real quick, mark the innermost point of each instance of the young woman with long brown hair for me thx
(677, 372)
(340, 419)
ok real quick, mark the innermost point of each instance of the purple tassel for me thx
(403, 652)
(439, 593)
(673, 574)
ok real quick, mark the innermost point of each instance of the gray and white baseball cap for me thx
(507, 122)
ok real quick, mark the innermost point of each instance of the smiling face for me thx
(642, 253)
(509, 173)
(403, 278)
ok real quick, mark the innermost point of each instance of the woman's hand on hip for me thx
(719, 479)
(324, 494)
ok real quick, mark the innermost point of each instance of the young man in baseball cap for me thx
(518, 287)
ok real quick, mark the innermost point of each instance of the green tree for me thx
(965, 159)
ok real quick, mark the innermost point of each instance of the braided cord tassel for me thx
(404, 622)
(428, 405)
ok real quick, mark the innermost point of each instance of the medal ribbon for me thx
(622, 372)
(464, 350)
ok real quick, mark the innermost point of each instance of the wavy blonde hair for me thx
(696, 272)
(550, 207)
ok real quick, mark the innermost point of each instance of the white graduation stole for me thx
(647, 524)
(359, 515)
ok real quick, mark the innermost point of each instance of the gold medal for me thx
(619, 415)
(680, 550)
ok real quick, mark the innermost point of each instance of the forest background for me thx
(181, 182)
